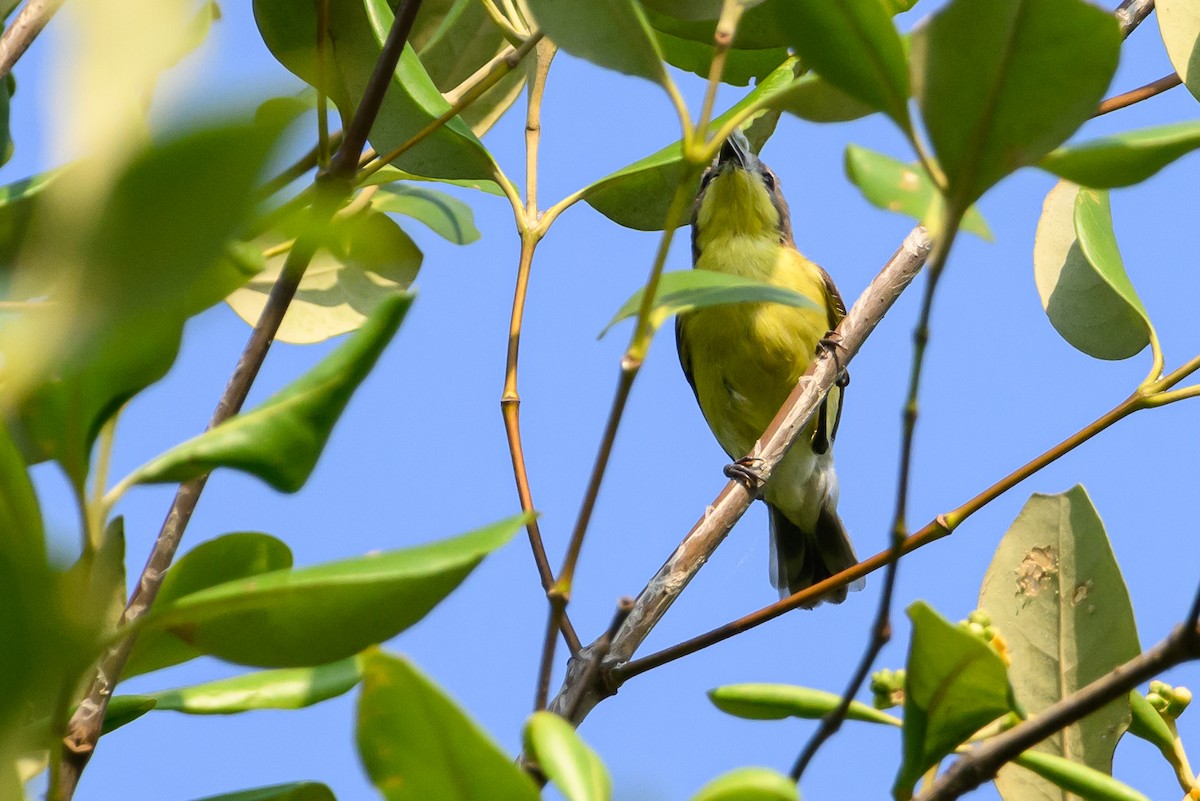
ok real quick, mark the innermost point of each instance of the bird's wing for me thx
(685, 357)
(837, 310)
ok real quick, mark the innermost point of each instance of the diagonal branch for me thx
(24, 29)
(734, 499)
(84, 729)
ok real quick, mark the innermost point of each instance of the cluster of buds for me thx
(888, 688)
(1169, 701)
(979, 623)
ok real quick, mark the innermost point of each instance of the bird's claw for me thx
(747, 471)
(832, 342)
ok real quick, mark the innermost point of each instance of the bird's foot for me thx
(832, 342)
(747, 471)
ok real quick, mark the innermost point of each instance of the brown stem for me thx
(981, 762)
(734, 499)
(83, 730)
(1138, 95)
(1131, 13)
(24, 29)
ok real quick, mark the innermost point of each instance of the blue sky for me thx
(420, 453)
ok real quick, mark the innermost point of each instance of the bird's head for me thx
(739, 195)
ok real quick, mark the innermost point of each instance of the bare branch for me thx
(1131, 13)
(1138, 95)
(24, 29)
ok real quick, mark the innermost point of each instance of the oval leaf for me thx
(226, 558)
(566, 759)
(749, 784)
(363, 261)
(297, 791)
(447, 216)
(1123, 159)
(1179, 24)
(687, 290)
(638, 195)
(1092, 305)
(1087, 783)
(740, 65)
(316, 615)
(812, 98)
(611, 33)
(417, 745)
(281, 440)
(1055, 594)
(1003, 82)
(904, 188)
(954, 685)
(855, 46)
(778, 701)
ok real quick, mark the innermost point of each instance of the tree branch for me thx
(734, 499)
(84, 728)
(1138, 95)
(24, 29)
(1131, 13)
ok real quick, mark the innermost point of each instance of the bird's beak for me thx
(736, 150)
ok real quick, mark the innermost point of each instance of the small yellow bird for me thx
(743, 360)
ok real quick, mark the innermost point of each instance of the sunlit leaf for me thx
(1071, 777)
(611, 33)
(389, 174)
(1179, 24)
(904, 188)
(687, 290)
(1080, 277)
(749, 784)
(226, 558)
(447, 216)
(1123, 159)
(316, 615)
(778, 701)
(561, 754)
(638, 195)
(416, 744)
(281, 440)
(854, 45)
(1001, 83)
(363, 261)
(954, 685)
(1055, 594)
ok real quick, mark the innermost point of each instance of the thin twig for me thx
(302, 165)
(881, 628)
(983, 761)
(83, 730)
(1131, 13)
(24, 29)
(1138, 95)
(662, 590)
(601, 646)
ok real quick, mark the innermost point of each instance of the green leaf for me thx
(687, 290)
(416, 744)
(447, 216)
(316, 615)
(566, 759)
(811, 97)
(904, 188)
(226, 558)
(281, 440)
(1147, 724)
(760, 28)
(1080, 277)
(389, 174)
(638, 195)
(1055, 594)
(295, 791)
(357, 30)
(954, 685)
(611, 33)
(8, 87)
(740, 65)
(22, 535)
(1080, 780)
(1179, 24)
(749, 784)
(1003, 82)
(289, 688)
(96, 582)
(458, 40)
(18, 202)
(1125, 158)
(854, 45)
(778, 701)
(115, 306)
(363, 261)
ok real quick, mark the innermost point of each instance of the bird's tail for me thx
(801, 558)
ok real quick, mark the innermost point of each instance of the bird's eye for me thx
(769, 181)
